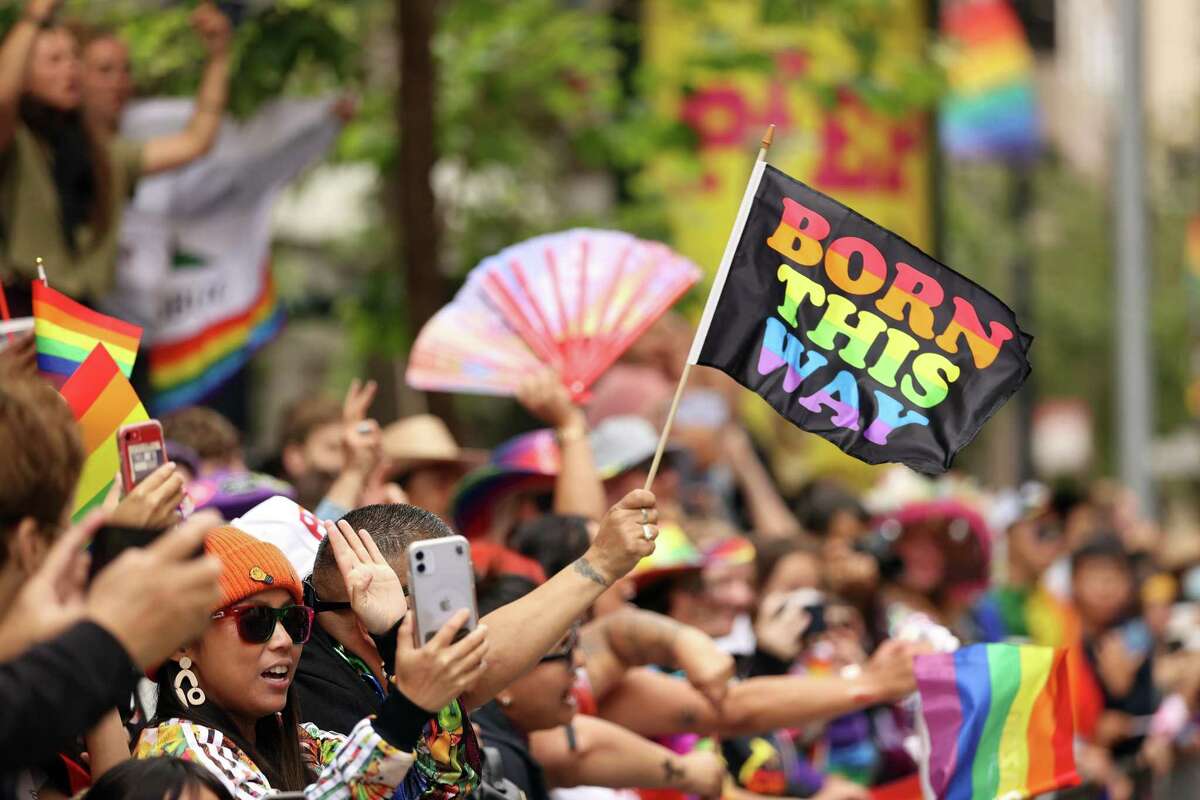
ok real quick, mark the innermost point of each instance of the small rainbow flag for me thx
(67, 332)
(991, 109)
(102, 400)
(186, 371)
(997, 722)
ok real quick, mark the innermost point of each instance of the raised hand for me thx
(374, 588)
(153, 503)
(213, 27)
(362, 441)
(546, 399)
(625, 537)
(41, 11)
(442, 670)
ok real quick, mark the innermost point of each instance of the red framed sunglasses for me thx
(256, 624)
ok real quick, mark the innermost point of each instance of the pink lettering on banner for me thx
(863, 150)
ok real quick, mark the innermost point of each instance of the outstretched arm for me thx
(577, 489)
(605, 754)
(653, 704)
(629, 638)
(168, 152)
(14, 61)
(525, 630)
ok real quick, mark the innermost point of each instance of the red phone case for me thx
(139, 434)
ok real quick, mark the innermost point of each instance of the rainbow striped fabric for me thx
(102, 400)
(186, 371)
(67, 332)
(997, 721)
(991, 109)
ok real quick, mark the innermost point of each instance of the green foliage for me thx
(1070, 237)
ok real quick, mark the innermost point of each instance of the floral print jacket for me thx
(361, 766)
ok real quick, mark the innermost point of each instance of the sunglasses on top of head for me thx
(256, 624)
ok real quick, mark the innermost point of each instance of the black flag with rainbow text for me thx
(854, 334)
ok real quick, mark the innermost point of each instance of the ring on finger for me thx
(648, 533)
(645, 516)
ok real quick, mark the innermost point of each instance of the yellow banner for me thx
(878, 164)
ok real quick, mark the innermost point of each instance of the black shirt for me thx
(520, 766)
(333, 695)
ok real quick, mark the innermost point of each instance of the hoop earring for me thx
(193, 695)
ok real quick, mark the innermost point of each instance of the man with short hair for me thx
(341, 675)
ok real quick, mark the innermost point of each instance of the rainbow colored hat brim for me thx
(674, 554)
(526, 463)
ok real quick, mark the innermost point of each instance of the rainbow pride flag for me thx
(186, 371)
(990, 110)
(67, 332)
(102, 400)
(997, 722)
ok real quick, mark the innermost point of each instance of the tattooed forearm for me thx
(671, 772)
(588, 571)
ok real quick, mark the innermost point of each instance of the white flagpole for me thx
(714, 297)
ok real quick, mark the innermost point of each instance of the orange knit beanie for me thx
(250, 566)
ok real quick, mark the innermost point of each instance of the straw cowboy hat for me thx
(424, 440)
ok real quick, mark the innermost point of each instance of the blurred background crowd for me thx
(315, 180)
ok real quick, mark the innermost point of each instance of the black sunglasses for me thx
(256, 624)
(320, 606)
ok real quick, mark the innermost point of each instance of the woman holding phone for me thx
(226, 701)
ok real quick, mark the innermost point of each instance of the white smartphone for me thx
(441, 581)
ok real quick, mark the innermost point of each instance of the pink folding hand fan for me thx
(572, 301)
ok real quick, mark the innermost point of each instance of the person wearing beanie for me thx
(226, 700)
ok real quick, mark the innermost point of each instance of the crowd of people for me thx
(709, 636)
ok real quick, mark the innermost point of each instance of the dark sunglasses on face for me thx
(565, 649)
(256, 624)
(320, 606)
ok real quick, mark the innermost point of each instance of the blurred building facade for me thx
(1078, 77)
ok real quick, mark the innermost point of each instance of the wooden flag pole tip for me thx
(768, 137)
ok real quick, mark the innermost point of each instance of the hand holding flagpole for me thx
(713, 296)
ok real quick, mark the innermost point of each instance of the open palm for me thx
(374, 588)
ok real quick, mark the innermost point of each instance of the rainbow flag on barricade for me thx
(185, 371)
(102, 400)
(997, 722)
(68, 332)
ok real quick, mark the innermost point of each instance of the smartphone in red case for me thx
(142, 450)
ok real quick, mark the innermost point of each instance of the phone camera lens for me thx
(420, 556)
(458, 549)
(420, 567)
